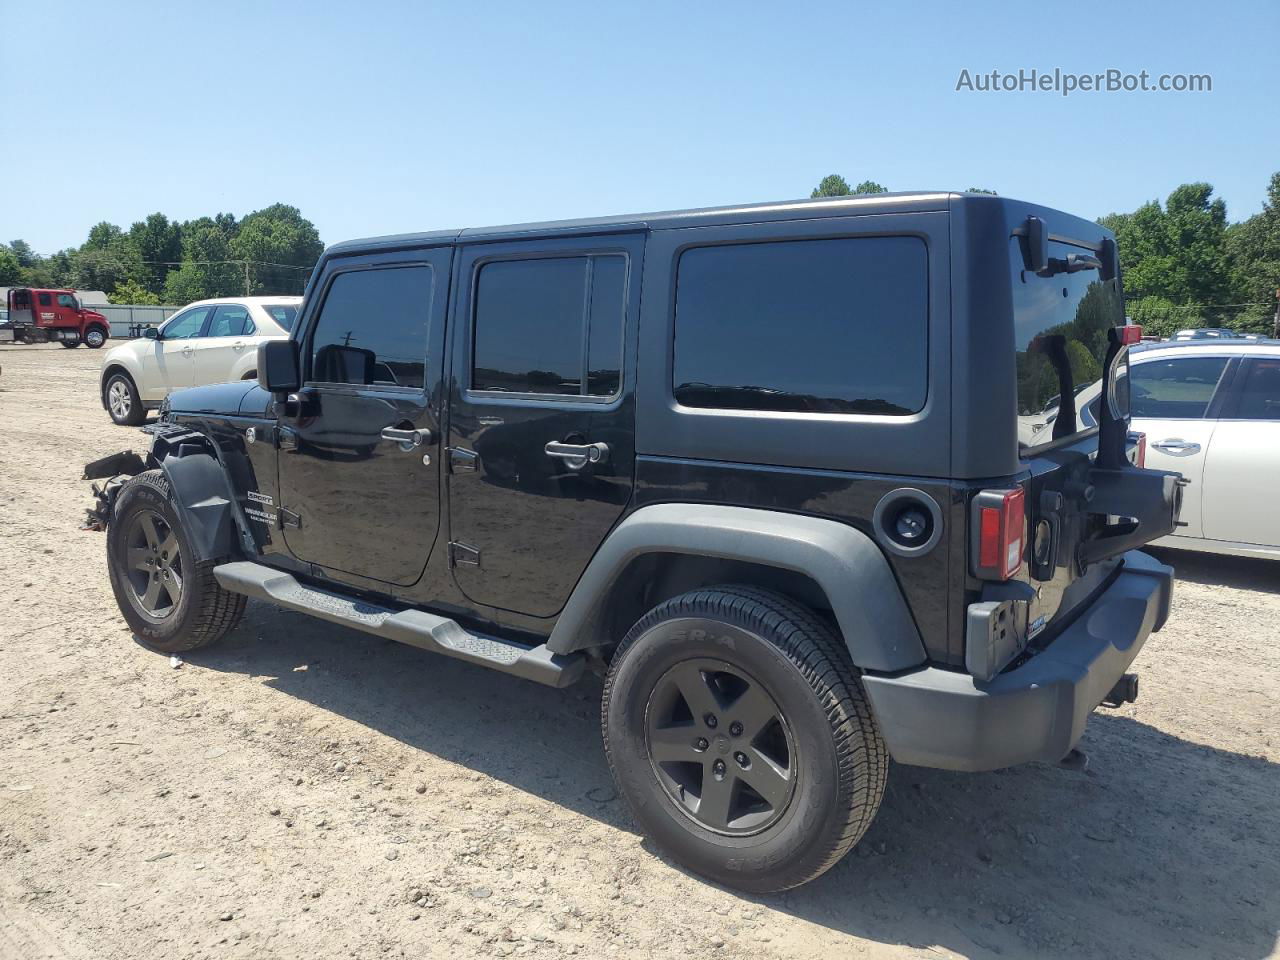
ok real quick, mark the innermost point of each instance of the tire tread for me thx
(822, 659)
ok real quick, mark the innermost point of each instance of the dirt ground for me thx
(309, 791)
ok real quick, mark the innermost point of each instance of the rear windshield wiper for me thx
(1074, 263)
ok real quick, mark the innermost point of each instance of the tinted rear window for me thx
(1060, 328)
(828, 326)
(550, 326)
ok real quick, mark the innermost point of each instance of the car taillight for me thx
(1130, 334)
(1140, 458)
(1000, 517)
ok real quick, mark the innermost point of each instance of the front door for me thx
(541, 422)
(359, 463)
(169, 364)
(67, 309)
(1244, 460)
(1171, 400)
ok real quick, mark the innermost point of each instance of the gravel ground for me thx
(309, 791)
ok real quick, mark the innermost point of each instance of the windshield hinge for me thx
(463, 555)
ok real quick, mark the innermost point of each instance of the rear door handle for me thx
(408, 439)
(1176, 447)
(577, 455)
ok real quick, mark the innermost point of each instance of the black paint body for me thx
(338, 504)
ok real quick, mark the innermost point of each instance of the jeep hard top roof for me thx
(915, 202)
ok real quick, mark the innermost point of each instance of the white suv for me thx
(1211, 411)
(210, 341)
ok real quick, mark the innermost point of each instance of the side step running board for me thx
(414, 627)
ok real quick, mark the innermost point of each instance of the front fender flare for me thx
(203, 501)
(852, 571)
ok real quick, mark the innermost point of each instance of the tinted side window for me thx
(372, 328)
(1260, 392)
(550, 326)
(67, 300)
(831, 326)
(1175, 389)
(186, 324)
(230, 320)
(46, 300)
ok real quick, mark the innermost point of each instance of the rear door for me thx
(541, 422)
(359, 463)
(169, 362)
(1244, 459)
(224, 343)
(1172, 400)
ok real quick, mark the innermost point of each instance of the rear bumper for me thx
(942, 718)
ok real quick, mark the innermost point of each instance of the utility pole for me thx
(246, 277)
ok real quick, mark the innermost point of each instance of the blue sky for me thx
(386, 117)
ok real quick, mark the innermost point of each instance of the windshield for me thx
(1060, 325)
(282, 313)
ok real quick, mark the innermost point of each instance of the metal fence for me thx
(128, 320)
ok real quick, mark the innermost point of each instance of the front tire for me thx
(94, 338)
(738, 733)
(121, 399)
(170, 601)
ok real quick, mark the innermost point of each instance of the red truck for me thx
(43, 316)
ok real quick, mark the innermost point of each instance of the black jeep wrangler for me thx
(760, 466)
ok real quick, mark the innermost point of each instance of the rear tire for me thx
(762, 809)
(70, 344)
(171, 602)
(120, 397)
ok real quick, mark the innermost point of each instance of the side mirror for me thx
(278, 371)
(151, 333)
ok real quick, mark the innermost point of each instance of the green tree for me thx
(132, 292)
(22, 250)
(11, 272)
(1253, 263)
(205, 242)
(832, 185)
(158, 243)
(281, 245)
(1175, 251)
(186, 284)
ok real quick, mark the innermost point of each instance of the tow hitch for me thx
(1125, 691)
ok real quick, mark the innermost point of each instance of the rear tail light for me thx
(1140, 456)
(1000, 523)
(1130, 334)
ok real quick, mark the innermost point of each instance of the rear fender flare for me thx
(864, 595)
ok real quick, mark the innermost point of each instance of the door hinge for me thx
(288, 518)
(463, 554)
(461, 459)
